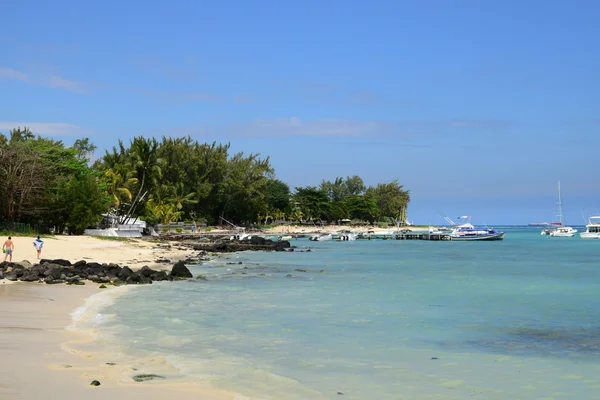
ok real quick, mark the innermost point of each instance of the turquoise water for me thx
(378, 319)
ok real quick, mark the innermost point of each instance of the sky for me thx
(477, 107)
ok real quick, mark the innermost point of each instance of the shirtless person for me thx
(8, 247)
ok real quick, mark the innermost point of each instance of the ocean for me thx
(513, 319)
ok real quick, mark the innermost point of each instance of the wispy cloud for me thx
(45, 128)
(191, 96)
(43, 79)
(185, 70)
(347, 128)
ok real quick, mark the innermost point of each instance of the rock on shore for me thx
(63, 271)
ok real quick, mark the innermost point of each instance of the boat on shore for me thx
(592, 229)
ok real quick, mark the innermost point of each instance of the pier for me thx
(423, 236)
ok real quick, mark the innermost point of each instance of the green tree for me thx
(391, 199)
(278, 195)
(86, 201)
(147, 166)
(313, 202)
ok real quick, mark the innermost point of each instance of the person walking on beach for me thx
(193, 225)
(38, 244)
(8, 248)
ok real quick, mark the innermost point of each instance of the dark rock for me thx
(159, 276)
(79, 264)
(111, 363)
(146, 377)
(145, 280)
(146, 271)
(282, 245)
(340, 393)
(125, 273)
(113, 272)
(300, 270)
(180, 271)
(201, 278)
(260, 241)
(53, 270)
(95, 383)
(59, 261)
(30, 276)
(434, 358)
(90, 265)
(49, 280)
(132, 279)
(24, 264)
(103, 286)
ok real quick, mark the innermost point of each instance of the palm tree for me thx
(181, 197)
(147, 165)
(118, 186)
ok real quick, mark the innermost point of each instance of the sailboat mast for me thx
(560, 213)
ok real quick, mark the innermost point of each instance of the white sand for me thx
(133, 252)
(35, 361)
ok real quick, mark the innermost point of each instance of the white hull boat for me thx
(565, 231)
(560, 230)
(592, 229)
(322, 237)
(467, 232)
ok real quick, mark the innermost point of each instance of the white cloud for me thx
(9, 73)
(331, 127)
(42, 128)
(43, 79)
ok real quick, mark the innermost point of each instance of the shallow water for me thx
(518, 318)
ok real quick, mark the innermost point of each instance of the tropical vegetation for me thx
(52, 186)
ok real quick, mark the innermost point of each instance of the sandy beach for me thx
(37, 360)
(134, 252)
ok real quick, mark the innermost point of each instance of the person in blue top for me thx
(38, 244)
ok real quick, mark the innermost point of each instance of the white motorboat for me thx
(467, 232)
(344, 236)
(559, 230)
(322, 237)
(592, 229)
(563, 231)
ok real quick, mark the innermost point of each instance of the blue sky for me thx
(477, 107)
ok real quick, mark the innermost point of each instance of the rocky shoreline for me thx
(54, 271)
(223, 243)
(63, 271)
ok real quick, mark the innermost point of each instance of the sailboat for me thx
(560, 230)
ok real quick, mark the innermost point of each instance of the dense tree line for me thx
(48, 184)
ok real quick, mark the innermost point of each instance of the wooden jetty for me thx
(423, 236)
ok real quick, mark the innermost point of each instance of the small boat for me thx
(592, 229)
(345, 236)
(467, 232)
(323, 237)
(560, 230)
(563, 231)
